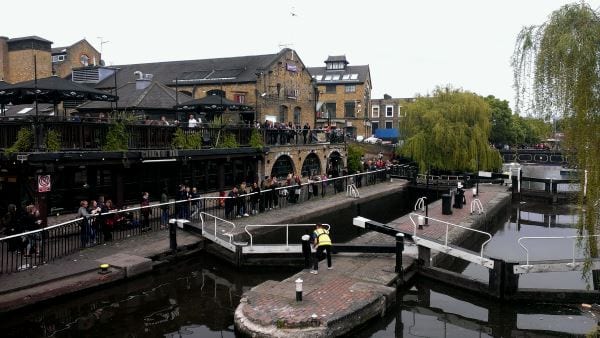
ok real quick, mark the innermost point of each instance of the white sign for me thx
(485, 174)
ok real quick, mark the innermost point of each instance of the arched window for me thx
(297, 111)
(311, 165)
(283, 113)
(282, 167)
(84, 59)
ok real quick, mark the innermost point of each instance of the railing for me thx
(214, 235)
(445, 245)
(92, 135)
(270, 248)
(24, 250)
(572, 238)
(476, 206)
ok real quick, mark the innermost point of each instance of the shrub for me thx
(24, 142)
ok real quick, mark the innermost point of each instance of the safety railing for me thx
(226, 227)
(574, 239)
(420, 204)
(351, 191)
(476, 206)
(276, 247)
(447, 226)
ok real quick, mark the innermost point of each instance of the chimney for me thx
(3, 58)
(143, 80)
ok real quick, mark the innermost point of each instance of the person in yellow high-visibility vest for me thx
(321, 242)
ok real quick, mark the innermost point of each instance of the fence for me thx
(21, 251)
(92, 135)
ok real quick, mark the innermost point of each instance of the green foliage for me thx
(256, 139)
(53, 141)
(557, 73)
(181, 140)
(354, 155)
(24, 142)
(449, 131)
(229, 141)
(117, 137)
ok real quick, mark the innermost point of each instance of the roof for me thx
(336, 58)
(31, 37)
(59, 50)
(155, 96)
(221, 70)
(362, 74)
(22, 110)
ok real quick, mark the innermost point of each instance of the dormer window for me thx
(336, 65)
(58, 58)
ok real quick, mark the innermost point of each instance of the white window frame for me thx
(375, 111)
(386, 123)
(350, 88)
(386, 110)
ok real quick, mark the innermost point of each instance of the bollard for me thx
(474, 191)
(173, 234)
(421, 221)
(399, 250)
(299, 289)
(104, 269)
(306, 250)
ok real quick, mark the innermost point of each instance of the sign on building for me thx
(44, 183)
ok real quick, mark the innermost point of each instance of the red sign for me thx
(44, 183)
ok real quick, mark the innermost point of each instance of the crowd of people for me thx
(21, 220)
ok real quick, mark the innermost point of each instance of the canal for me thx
(197, 297)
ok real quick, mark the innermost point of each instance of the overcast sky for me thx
(411, 46)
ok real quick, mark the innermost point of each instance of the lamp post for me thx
(477, 183)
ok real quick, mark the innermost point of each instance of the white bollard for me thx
(299, 289)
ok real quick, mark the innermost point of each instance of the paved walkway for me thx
(357, 289)
(80, 270)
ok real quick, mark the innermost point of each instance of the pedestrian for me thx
(164, 209)
(321, 242)
(145, 211)
(192, 122)
(85, 225)
(255, 198)
(196, 202)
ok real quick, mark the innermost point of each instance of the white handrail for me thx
(551, 237)
(229, 234)
(476, 204)
(352, 191)
(447, 226)
(420, 204)
(287, 226)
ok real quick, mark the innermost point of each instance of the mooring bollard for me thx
(299, 290)
(104, 269)
(399, 251)
(306, 250)
(421, 221)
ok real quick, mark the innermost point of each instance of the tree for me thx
(449, 131)
(557, 73)
(501, 121)
(354, 155)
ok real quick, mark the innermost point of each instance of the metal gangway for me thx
(444, 246)
(561, 265)
(223, 233)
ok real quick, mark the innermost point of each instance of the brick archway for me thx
(282, 166)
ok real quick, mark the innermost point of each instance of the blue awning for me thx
(390, 133)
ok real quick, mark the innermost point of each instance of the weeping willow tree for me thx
(449, 130)
(557, 73)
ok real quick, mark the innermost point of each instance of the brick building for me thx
(386, 115)
(279, 86)
(344, 95)
(81, 53)
(17, 58)
(21, 58)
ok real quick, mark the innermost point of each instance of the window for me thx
(350, 88)
(389, 111)
(283, 111)
(389, 124)
(336, 65)
(375, 111)
(239, 98)
(353, 76)
(58, 58)
(330, 89)
(84, 59)
(327, 77)
(329, 108)
(335, 77)
(374, 126)
(346, 77)
(319, 77)
(349, 108)
(297, 114)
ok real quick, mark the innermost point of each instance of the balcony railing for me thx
(92, 135)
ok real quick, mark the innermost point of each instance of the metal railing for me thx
(92, 135)
(447, 226)
(574, 239)
(215, 235)
(476, 206)
(282, 247)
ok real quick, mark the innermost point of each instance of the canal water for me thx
(197, 297)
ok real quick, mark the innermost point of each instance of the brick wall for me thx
(3, 58)
(21, 65)
(73, 58)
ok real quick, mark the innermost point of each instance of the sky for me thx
(410, 46)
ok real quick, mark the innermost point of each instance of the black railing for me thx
(29, 249)
(92, 135)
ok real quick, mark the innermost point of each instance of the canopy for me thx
(213, 103)
(387, 133)
(51, 89)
